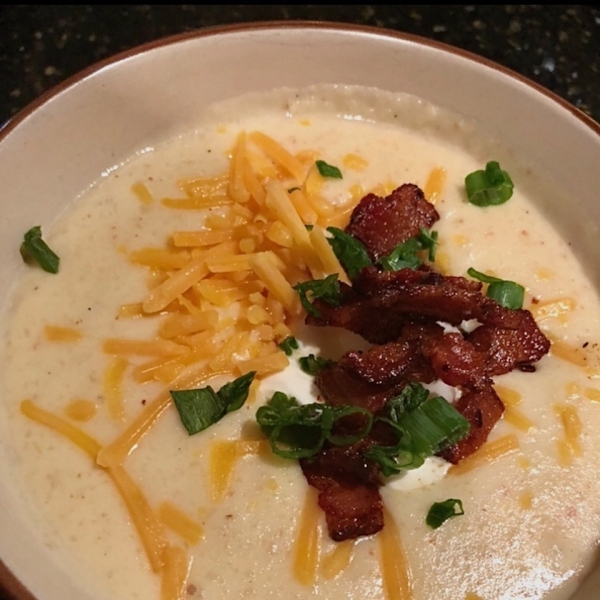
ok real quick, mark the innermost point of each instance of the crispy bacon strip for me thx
(380, 303)
(506, 349)
(401, 312)
(381, 224)
(482, 408)
(348, 492)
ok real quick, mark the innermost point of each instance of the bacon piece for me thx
(342, 387)
(352, 512)
(402, 360)
(396, 297)
(507, 349)
(381, 224)
(482, 408)
(456, 361)
(348, 492)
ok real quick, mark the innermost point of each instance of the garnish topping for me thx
(353, 255)
(289, 345)
(299, 430)
(440, 512)
(34, 248)
(489, 187)
(312, 364)
(326, 170)
(423, 425)
(349, 250)
(406, 255)
(506, 293)
(327, 289)
(200, 408)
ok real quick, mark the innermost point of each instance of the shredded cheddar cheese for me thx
(308, 542)
(395, 570)
(570, 446)
(488, 453)
(80, 410)
(113, 384)
(174, 518)
(435, 184)
(55, 333)
(338, 560)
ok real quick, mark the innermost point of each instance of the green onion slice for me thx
(506, 293)
(440, 512)
(326, 170)
(489, 187)
(423, 427)
(327, 289)
(349, 250)
(200, 408)
(34, 248)
(406, 255)
(299, 431)
(312, 364)
(289, 345)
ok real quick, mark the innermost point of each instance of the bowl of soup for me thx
(169, 219)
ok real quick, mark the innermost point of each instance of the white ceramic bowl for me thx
(59, 145)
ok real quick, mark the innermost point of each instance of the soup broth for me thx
(237, 521)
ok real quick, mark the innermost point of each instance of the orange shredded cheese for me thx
(175, 573)
(338, 560)
(435, 184)
(553, 309)
(308, 541)
(395, 570)
(142, 192)
(55, 333)
(489, 452)
(113, 387)
(177, 520)
(570, 446)
(80, 410)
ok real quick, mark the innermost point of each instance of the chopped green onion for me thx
(423, 427)
(490, 187)
(289, 345)
(440, 512)
(406, 255)
(299, 431)
(392, 459)
(235, 393)
(506, 293)
(411, 397)
(200, 408)
(312, 364)
(433, 426)
(35, 248)
(327, 289)
(349, 250)
(403, 256)
(293, 189)
(429, 242)
(326, 170)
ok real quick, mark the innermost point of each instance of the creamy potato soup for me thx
(176, 272)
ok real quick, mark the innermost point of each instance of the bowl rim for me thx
(14, 121)
(11, 588)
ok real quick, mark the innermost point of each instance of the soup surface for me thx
(230, 515)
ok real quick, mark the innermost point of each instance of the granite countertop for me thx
(556, 46)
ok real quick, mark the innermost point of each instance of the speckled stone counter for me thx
(556, 46)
